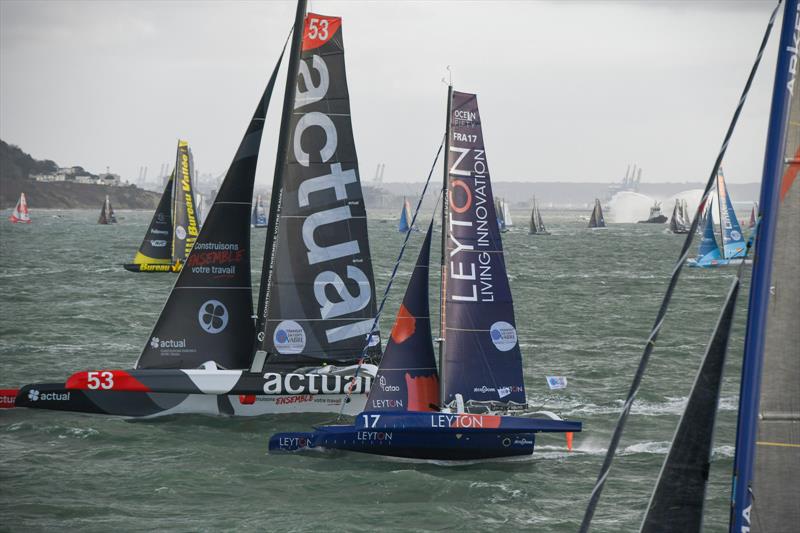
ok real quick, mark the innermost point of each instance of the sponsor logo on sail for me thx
(301, 384)
(155, 231)
(157, 343)
(735, 235)
(374, 436)
(387, 388)
(289, 337)
(158, 243)
(213, 316)
(161, 218)
(35, 396)
(387, 404)
(504, 336)
(180, 232)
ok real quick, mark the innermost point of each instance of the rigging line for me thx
(391, 278)
(648, 349)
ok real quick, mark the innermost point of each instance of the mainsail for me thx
(208, 316)
(20, 213)
(156, 247)
(259, 217)
(597, 220)
(404, 226)
(733, 244)
(183, 214)
(481, 359)
(107, 215)
(317, 286)
(507, 214)
(407, 379)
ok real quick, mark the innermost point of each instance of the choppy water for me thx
(584, 303)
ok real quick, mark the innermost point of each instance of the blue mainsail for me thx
(482, 359)
(708, 251)
(732, 238)
(407, 379)
(404, 226)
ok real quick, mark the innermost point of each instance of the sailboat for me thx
(656, 216)
(174, 227)
(679, 222)
(20, 214)
(764, 487)
(597, 220)
(206, 354)
(732, 251)
(537, 224)
(404, 226)
(507, 215)
(258, 219)
(752, 222)
(501, 218)
(107, 215)
(415, 411)
(201, 208)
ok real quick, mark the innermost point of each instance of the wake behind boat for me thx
(415, 411)
(206, 354)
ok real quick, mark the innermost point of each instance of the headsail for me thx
(542, 228)
(407, 378)
(507, 214)
(208, 316)
(482, 359)
(320, 299)
(733, 244)
(184, 217)
(20, 213)
(156, 247)
(259, 217)
(534, 222)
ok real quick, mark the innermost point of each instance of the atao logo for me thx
(387, 388)
(504, 336)
(289, 337)
(213, 316)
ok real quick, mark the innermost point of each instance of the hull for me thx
(694, 263)
(129, 404)
(661, 219)
(437, 436)
(144, 267)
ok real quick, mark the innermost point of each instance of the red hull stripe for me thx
(118, 380)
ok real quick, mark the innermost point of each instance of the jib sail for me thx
(208, 316)
(597, 220)
(407, 379)
(184, 216)
(156, 247)
(482, 359)
(320, 299)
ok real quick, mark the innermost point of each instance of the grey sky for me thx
(569, 91)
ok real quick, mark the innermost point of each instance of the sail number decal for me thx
(371, 421)
(317, 29)
(100, 380)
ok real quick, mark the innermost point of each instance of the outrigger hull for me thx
(431, 435)
(56, 397)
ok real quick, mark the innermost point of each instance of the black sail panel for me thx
(677, 503)
(209, 313)
(321, 293)
(156, 247)
(184, 215)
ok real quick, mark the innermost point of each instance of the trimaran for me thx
(537, 226)
(597, 220)
(107, 215)
(208, 353)
(20, 214)
(764, 488)
(463, 410)
(175, 225)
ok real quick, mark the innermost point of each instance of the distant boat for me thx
(733, 246)
(752, 223)
(107, 215)
(501, 219)
(537, 224)
(463, 411)
(656, 216)
(258, 219)
(404, 226)
(20, 214)
(597, 220)
(507, 214)
(174, 227)
(679, 222)
(201, 209)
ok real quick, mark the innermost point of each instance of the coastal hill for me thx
(16, 166)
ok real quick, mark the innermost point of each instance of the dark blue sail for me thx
(407, 379)
(482, 360)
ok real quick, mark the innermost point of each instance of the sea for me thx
(584, 299)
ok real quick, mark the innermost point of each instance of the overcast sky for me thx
(568, 91)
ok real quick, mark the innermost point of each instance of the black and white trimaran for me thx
(206, 353)
(175, 225)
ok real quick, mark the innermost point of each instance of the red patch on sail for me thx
(404, 326)
(790, 175)
(423, 392)
(318, 30)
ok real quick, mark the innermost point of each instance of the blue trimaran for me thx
(413, 410)
(404, 226)
(733, 249)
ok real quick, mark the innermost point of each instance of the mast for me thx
(277, 180)
(443, 262)
(749, 393)
(719, 212)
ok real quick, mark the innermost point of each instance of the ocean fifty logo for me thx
(289, 338)
(504, 336)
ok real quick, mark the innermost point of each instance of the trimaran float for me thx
(175, 225)
(414, 411)
(764, 488)
(206, 353)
